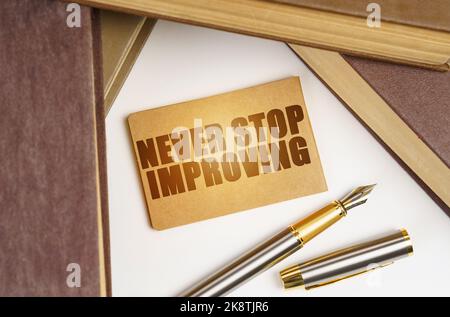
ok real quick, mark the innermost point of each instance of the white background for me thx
(180, 63)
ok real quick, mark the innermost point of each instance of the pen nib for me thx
(356, 197)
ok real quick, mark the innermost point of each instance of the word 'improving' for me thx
(208, 155)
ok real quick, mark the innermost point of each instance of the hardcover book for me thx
(306, 26)
(433, 15)
(406, 108)
(123, 36)
(54, 214)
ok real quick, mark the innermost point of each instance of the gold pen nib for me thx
(356, 197)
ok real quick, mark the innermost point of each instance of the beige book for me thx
(123, 36)
(429, 14)
(299, 25)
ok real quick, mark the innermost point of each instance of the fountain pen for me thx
(277, 248)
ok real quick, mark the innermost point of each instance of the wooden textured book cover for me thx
(217, 155)
(53, 196)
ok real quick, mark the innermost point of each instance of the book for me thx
(299, 25)
(54, 207)
(226, 153)
(405, 108)
(123, 36)
(411, 12)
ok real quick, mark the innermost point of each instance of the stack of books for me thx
(58, 83)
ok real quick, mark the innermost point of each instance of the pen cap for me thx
(348, 262)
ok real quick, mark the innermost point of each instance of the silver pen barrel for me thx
(247, 266)
(278, 247)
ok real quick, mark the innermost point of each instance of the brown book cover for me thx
(420, 97)
(433, 15)
(405, 107)
(53, 198)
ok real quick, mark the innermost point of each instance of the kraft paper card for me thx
(222, 154)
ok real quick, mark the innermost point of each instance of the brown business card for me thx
(217, 155)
